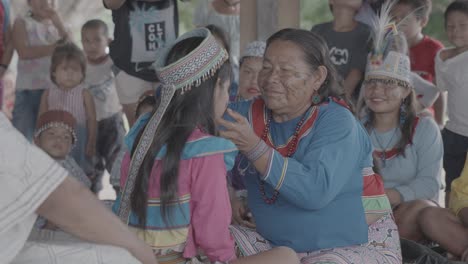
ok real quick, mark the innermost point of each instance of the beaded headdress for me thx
(56, 118)
(388, 60)
(254, 49)
(186, 73)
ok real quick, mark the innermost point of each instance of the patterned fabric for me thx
(383, 246)
(195, 67)
(254, 49)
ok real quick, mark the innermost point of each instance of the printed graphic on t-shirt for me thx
(339, 56)
(100, 90)
(150, 30)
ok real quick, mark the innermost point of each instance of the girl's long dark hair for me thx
(186, 112)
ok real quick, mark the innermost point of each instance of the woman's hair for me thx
(219, 34)
(185, 113)
(421, 8)
(316, 54)
(65, 53)
(458, 5)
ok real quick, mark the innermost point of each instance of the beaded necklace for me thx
(291, 149)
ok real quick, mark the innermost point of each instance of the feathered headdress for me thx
(388, 60)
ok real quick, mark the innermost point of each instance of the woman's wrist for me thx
(257, 151)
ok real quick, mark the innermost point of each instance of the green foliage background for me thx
(317, 11)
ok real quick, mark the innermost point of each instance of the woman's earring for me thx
(316, 99)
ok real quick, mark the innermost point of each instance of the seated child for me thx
(55, 134)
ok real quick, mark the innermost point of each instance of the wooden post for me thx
(261, 18)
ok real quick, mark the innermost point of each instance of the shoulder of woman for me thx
(426, 128)
(335, 112)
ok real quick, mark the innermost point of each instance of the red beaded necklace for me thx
(291, 149)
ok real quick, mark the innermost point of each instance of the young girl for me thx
(451, 77)
(67, 72)
(174, 190)
(35, 37)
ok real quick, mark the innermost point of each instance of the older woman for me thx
(309, 154)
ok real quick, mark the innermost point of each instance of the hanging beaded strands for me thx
(185, 74)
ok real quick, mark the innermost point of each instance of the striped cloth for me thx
(68, 100)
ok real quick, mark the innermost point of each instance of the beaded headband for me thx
(56, 118)
(254, 49)
(186, 73)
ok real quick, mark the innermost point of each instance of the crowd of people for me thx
(252, 155)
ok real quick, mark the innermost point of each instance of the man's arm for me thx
(73, 208)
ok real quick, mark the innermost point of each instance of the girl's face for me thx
(457, 28)
(384, 98)
(68, 74)
(221, 98)
(56, 141)
(248, 77)
(41, 8)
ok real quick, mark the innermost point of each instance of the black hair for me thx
(422, 8)
(316, 54)
(94, 24)
(185, 113)
(219, 33)
(458, 5)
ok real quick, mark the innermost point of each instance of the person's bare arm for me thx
(352, 81)
(439, 109)
(91, 123)
(20, 42)
(113, 4)
(74, 209)
(8, 51)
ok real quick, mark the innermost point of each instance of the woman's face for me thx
(248, 77)
(221, 98)
(287, 83)
(384, 98)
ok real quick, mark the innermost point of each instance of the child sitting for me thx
(55, 135)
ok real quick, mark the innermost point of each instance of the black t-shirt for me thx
(141, 29)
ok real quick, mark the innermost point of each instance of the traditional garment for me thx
(417, 173)
(201, 216)
(459, 193)
(322, 181)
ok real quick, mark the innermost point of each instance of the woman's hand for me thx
(239, 132)
(240, 214)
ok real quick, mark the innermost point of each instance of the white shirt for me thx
(452, 76)
(100, 82)
(27, 177)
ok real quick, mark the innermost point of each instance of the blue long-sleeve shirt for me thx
(320, 186)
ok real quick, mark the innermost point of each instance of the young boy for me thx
(346, 39)
(55, 135)
(100, 82)
(414, 15)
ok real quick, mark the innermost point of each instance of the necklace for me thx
(291, 149)
(383, 155)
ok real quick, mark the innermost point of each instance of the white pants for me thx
(51, 248)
